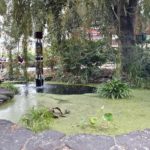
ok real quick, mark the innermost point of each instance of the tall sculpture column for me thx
(39, 59)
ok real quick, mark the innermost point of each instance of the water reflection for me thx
(26, 91)
(65, 89)
(22, 102)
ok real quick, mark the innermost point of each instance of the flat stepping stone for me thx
(48, 140)
(14, 137)
(138, 140)
(89, 142)
(4, 126)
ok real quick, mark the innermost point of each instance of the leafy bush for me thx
(80, 59)
(38, 119)
(139, 75)
(114, 89)
(10, 87)
(51, 58)
(31, 59)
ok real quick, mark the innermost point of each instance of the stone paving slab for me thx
(14, 137)
(89, 142)
(138, 140)
(48, 140)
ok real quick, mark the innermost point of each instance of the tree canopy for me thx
(67, 19)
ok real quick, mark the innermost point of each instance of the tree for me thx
(3, 7)
(127, 13)
(48, 12)
(22, 19)
(121, 15)
(11, 36)
(55, 8)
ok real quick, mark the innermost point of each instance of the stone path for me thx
(13, 137)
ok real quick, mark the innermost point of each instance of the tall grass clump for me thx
(38, 119)
(114, 89)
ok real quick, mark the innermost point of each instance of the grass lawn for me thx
(128, 115)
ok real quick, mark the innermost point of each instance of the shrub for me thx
(80, 59)
(139, 75)
(38, 119)
(114, 89)
(10, 87)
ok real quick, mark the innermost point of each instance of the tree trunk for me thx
(57, 24)
(126, 33)
(10, 65)
(25, 56)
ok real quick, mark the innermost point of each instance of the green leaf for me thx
(108, 116)
(93, 120)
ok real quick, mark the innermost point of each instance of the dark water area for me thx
(65, 89)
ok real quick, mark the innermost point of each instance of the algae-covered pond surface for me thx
(128, 115)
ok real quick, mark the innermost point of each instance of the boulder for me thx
(6, 92)
(12, 136)
(3, 98)
(5, 95)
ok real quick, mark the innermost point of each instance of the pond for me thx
(65, 89)
(31, 96)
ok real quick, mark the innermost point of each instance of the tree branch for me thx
(112, 6)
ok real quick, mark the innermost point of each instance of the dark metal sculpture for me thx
(39, 59)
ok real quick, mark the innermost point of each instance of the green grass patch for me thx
(128, 114)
